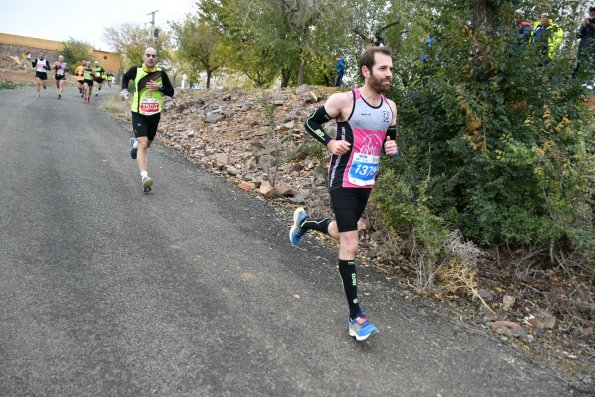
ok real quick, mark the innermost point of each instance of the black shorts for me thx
(60, 77)
(349, 205)
(98, 80)
(88, 82)
(41, 75)
(145, 125)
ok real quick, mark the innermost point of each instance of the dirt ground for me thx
(28, 77)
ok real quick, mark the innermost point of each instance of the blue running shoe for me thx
(133, 149)
(361, 328)
(147, 183)
(296, 233)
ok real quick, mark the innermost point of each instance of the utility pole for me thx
(154, 31)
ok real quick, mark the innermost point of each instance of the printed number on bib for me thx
(60, 72)
(97, 74)
(149, 106)
(363, 169)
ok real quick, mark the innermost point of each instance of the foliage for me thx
(75, 52)
(5, 84)
(130, 41)
(199, 47)
(501, 144)
(268, 38)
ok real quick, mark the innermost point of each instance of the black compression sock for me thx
(349, 277)
(319, 225)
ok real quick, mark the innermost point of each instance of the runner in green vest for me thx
(150, 84)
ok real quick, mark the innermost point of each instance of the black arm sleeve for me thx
(47, 65)
(314, 123)
(33, 63)
(167, 88)
(129, 75)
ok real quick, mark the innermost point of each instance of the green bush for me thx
(494, 144)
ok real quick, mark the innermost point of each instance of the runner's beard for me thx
(378, 85)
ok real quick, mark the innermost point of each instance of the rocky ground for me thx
(255, 139)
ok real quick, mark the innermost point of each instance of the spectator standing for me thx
(340, 69)
(523, 27)
(378, 41)
(586, 47)
(546, 38)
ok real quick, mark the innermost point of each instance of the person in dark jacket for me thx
(523, 27)
(340, 69)
(586, 47)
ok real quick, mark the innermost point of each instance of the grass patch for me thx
(7, 85)
(114, 106)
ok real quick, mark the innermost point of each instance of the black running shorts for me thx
(41, 75)
(349, 205)
(60, 77)
(88, 82)
(98, 80)
(145, 125)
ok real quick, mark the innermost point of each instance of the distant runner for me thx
(80, 79)
(41, 66)
(87, 83)
(61, 68)
(98, 75)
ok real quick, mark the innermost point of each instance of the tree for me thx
(278, 36)
(199, 46)
(75, 51)
(130, 40)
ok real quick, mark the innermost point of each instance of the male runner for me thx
(150, 84)
(41, 66)
(87, 83)
(366, 124)
(80, 80)
(61, 68)
(99, 74)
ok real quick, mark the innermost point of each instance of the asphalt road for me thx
(193, 289)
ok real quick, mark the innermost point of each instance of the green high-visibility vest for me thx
(146, 101)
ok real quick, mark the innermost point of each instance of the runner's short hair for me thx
(369, 56)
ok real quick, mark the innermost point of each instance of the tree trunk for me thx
(285, 76)
(209, 73)
(301, 72)
(483, 16)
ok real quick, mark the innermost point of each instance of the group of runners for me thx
(366, 129)
(86, 76)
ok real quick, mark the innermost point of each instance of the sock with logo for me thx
(319, 225)
(349, 277)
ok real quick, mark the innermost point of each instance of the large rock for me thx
(266, 189)
(214, 117)
(507, 328)
(283, 189)
(246, 186)
(221, 160)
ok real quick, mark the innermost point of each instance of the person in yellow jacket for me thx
(150, 84)
(546, 37)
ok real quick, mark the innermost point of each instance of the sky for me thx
(81, 21)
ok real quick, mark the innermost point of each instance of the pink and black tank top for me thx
(366, 131)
